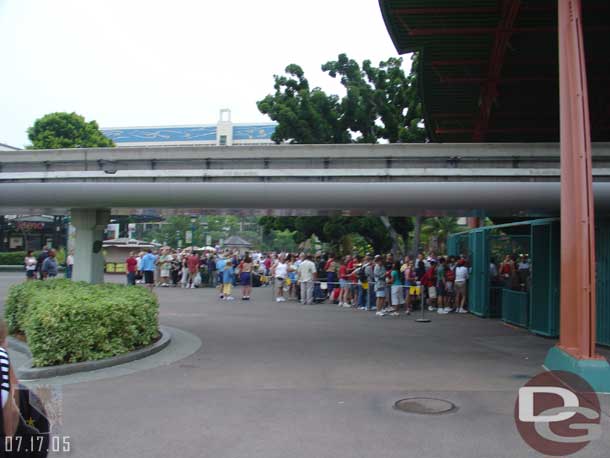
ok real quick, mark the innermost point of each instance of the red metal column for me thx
(577, 217)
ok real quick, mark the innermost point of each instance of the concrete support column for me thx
(576, 350)
(88, 258)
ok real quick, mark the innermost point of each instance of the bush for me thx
(20, 297)
(67, 322)
(13, 258)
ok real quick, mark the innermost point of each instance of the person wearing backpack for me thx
(363, 285)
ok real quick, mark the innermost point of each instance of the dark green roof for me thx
(457, 40)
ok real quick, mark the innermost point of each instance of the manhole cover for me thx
(425, 406)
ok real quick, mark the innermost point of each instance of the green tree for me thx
(380, 103)
(439, 228)
(304, 115)
(66, 130)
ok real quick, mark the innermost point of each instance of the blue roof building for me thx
(225, 132)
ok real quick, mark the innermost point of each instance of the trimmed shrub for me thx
(67, 322)
(13, 258)
(20, 297)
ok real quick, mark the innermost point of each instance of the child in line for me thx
(228, 277)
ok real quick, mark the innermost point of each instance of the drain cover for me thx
(425, 406)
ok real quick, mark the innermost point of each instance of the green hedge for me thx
(68, 322)
(13, 258)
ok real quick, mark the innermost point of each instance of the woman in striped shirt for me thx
(10, 411)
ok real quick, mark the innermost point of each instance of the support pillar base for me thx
(595, 371)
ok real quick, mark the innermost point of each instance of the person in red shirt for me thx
(132, 266)
(429, 281)
(192, 264)
(344, 283)
(268, 263)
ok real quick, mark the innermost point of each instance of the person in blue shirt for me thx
(228, 277)
(147, 264)
(220, 268)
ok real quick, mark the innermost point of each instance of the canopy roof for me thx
(489, 68)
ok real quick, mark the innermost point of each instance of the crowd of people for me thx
(378, 283)
(373, 283)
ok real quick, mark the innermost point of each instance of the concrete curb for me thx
(27, 372)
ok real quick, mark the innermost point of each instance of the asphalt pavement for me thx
(267, 379)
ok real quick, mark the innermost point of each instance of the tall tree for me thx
(380, 103)
(440, 227)
(66, 130)
(304, 115)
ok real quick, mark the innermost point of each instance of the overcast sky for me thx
(139, 63)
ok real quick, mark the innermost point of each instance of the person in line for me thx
(523, 272)
(177, 266)
(461, 277)
(395, 289)
(493, 273)
(369, 270)
(212, 277)
(69, 264)
(131, 265)
(410, 286)
(220, 268)
(192, 264)
(429, 282)
(267, 263)
(379, 274)
(279, 271)
(332, 270)
(344, 283)
(507, 267)
(420, 269)
(293, 264)
(228, 277)
(30, 264)
(450, 288)
(363, 283)
(306, 276)
(245, 277)
(165, 260)
(49, 266)
(441, 285)
(147, 265)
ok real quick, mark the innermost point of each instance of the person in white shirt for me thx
(306, 275)
(461, 277)
(30, 266)
(69, 264)
(280, 272)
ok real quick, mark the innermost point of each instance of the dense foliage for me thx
(66, 130)
(67, 322)
(380, 103)
(13, 258)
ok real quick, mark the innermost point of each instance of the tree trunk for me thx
(396, 251)
(416, 235)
